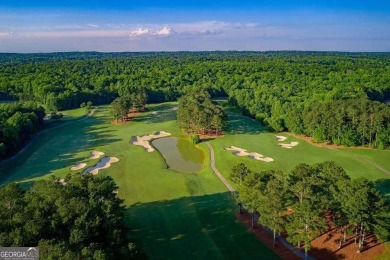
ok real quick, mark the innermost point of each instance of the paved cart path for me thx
(293, 249)
(219, 175)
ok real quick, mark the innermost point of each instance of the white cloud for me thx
(144, 32)
(199, 29)
(140, 32)
(165, 31)
(5, 35)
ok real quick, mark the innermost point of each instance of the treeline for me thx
(198, 114)
(81, 219)
(18, 122)
(278, 88)
(301, 203)
(350, 122)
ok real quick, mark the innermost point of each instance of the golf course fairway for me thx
(174, 214)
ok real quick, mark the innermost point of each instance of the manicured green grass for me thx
(171, 214)
(175, 215)
(69, 115)
(74, 113)
(246, 133)
(382, 158)
(195, 227)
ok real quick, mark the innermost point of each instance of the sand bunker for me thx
(280, 138)
(145, 140)
(242, 152)
(78, 166)
(62, 181)
(289, 146)
(103, 164)
(96, 155)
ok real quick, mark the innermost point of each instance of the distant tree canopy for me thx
(197, 114)
(82, 219)
(312, 191)
(326, 95)
(18, 122)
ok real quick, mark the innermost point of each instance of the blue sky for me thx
(48, 26)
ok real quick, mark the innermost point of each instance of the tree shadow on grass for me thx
(159, 117)
(238, 124)
(162, 107)
(55, 150)
(202, 227)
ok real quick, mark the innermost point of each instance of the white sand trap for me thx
(280, 138)
(289, 146)
(266, 159)
(260, 157)
(103, 164)
(78, 166)
(144, 140)
(62, 181)
(242, 152)
(233, 148)
(96, 155)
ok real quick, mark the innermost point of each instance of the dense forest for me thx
(18, 122)
(299, 204)
(333, 97)
(81, 219)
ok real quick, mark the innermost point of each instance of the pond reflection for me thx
(180, 154)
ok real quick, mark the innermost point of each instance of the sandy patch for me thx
(103, 164)
(289, 146)
(233, 148)
(326, 246)
(280, 138)
(144, 140)
(62, 181)
(242, 152)
(95, 155)
(78, 166)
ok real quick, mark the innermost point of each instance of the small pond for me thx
(180, 154)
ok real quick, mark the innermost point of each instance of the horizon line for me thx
(196, 51)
